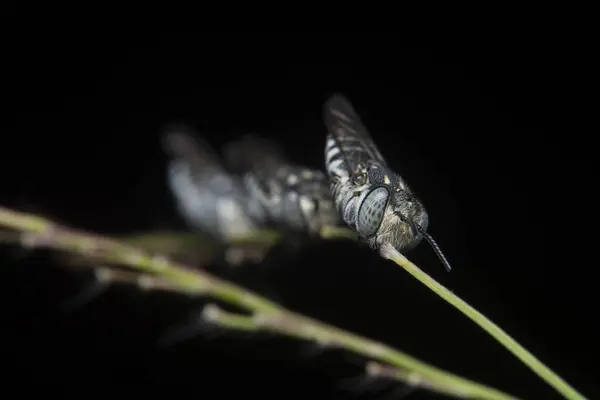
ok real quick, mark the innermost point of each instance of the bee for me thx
(208, 197)
(372, 199)
(293, 197)
(253, 186)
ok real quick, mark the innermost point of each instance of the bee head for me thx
(411, 212)
(409, 209)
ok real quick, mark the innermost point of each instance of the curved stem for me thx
(265, 314)
(494, 330)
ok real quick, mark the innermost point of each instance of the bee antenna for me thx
(435, 246)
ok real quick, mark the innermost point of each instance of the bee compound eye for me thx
(371, 211)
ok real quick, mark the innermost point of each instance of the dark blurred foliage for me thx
(470, 128)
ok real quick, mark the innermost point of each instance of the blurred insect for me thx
(371, 198)
(254, 187)
(293, 197)
(208, 196)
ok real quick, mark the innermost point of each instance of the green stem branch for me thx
(265, 314)
(494, 330)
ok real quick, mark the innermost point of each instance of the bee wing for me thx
(181, 146)
(294, 196)
(258, 161)
(253, 153)
(208, 196)
(349, 133)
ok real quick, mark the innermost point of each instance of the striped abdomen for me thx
(294, 197)
(346, 193)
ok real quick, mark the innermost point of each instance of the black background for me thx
(471, 129)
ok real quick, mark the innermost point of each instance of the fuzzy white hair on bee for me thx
(372, 199)
(207, 196)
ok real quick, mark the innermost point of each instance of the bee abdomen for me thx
(335, 164)
(295, 197)
(214, 205)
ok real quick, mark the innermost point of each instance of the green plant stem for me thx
(265, 314)
(494, 330)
